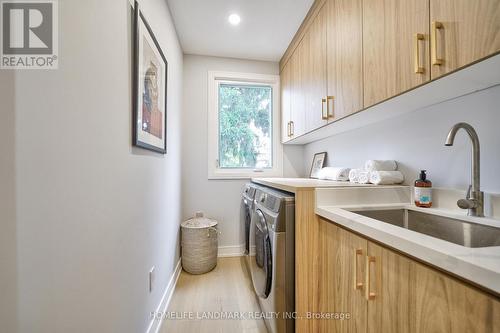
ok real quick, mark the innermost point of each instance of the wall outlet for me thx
(151, 278)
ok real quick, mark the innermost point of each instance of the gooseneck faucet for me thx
(474, 201)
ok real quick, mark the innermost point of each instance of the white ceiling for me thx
(266, 28)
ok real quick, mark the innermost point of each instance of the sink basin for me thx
(449, 229)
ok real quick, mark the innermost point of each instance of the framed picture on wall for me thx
(317, 164)
(149, 88)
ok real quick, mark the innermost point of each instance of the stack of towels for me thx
(334, 173)
(378, 172)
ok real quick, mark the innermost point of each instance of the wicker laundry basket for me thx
(199, 244)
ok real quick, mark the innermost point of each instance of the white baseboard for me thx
(223, 251)
(155, 324)
(231, 251)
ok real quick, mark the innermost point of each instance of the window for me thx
(243, 125)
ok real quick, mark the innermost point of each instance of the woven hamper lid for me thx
(199, 222)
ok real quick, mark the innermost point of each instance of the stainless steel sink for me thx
(452, 230)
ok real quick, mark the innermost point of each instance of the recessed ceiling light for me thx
(234, 19)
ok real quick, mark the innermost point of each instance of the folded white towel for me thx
(354, 175)
(334, 173)
(381, 165)
(386, 177)
(364, 177)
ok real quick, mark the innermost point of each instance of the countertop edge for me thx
(294, 185)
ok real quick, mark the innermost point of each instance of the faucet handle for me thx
(467, 196)
(467, 203)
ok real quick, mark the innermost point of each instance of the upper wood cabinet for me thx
(344, 57)
(314, 56)
(286, 103)
(351, 54)
(293, 96)
(395, 47)
(463, 31)
(304, 82)
(298, 91)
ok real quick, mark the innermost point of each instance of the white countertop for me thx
(293, 184)
(480, 266)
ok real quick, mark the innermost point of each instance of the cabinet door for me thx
(314, 65)
(286, 103)
(444, 304)
(350, 283)
(406, 296)
(341, 280)
(390, 291)
(297, 109)
(344, 57)
(328, 265)
(391, 48)
(466, 31)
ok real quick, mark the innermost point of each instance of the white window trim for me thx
(214, 79)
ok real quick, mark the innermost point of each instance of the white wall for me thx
(93, 213)
(416, 141)
(8, 242)
(219, 199)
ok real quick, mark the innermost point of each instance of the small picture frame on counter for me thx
(317, 164)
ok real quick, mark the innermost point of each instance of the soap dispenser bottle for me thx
(423, 191)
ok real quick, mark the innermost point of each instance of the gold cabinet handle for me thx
(324, 115)
(435, 26)
(369, 293)
(292, 128)
(288, 129)
(357, 285)
(328, 113)
(418, 38)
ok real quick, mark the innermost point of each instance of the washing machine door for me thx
(262, 261)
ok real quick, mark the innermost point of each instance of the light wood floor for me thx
(227, 288)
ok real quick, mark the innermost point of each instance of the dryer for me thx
(272, 266)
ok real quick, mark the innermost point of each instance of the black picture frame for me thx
(136, 86)
(318, 158)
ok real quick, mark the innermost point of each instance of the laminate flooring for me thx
(200, 302)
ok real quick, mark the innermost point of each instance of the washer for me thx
(272, 265)
(247, 208)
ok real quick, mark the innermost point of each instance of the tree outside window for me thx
(245, 126)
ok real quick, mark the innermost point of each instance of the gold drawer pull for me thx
(328, 99)
(357, 285)
(324, 115)
(418, 38)
(369, 294)
(434, 28)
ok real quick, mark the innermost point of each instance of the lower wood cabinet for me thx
(389, 292)
(443, 304)
(382, 290)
